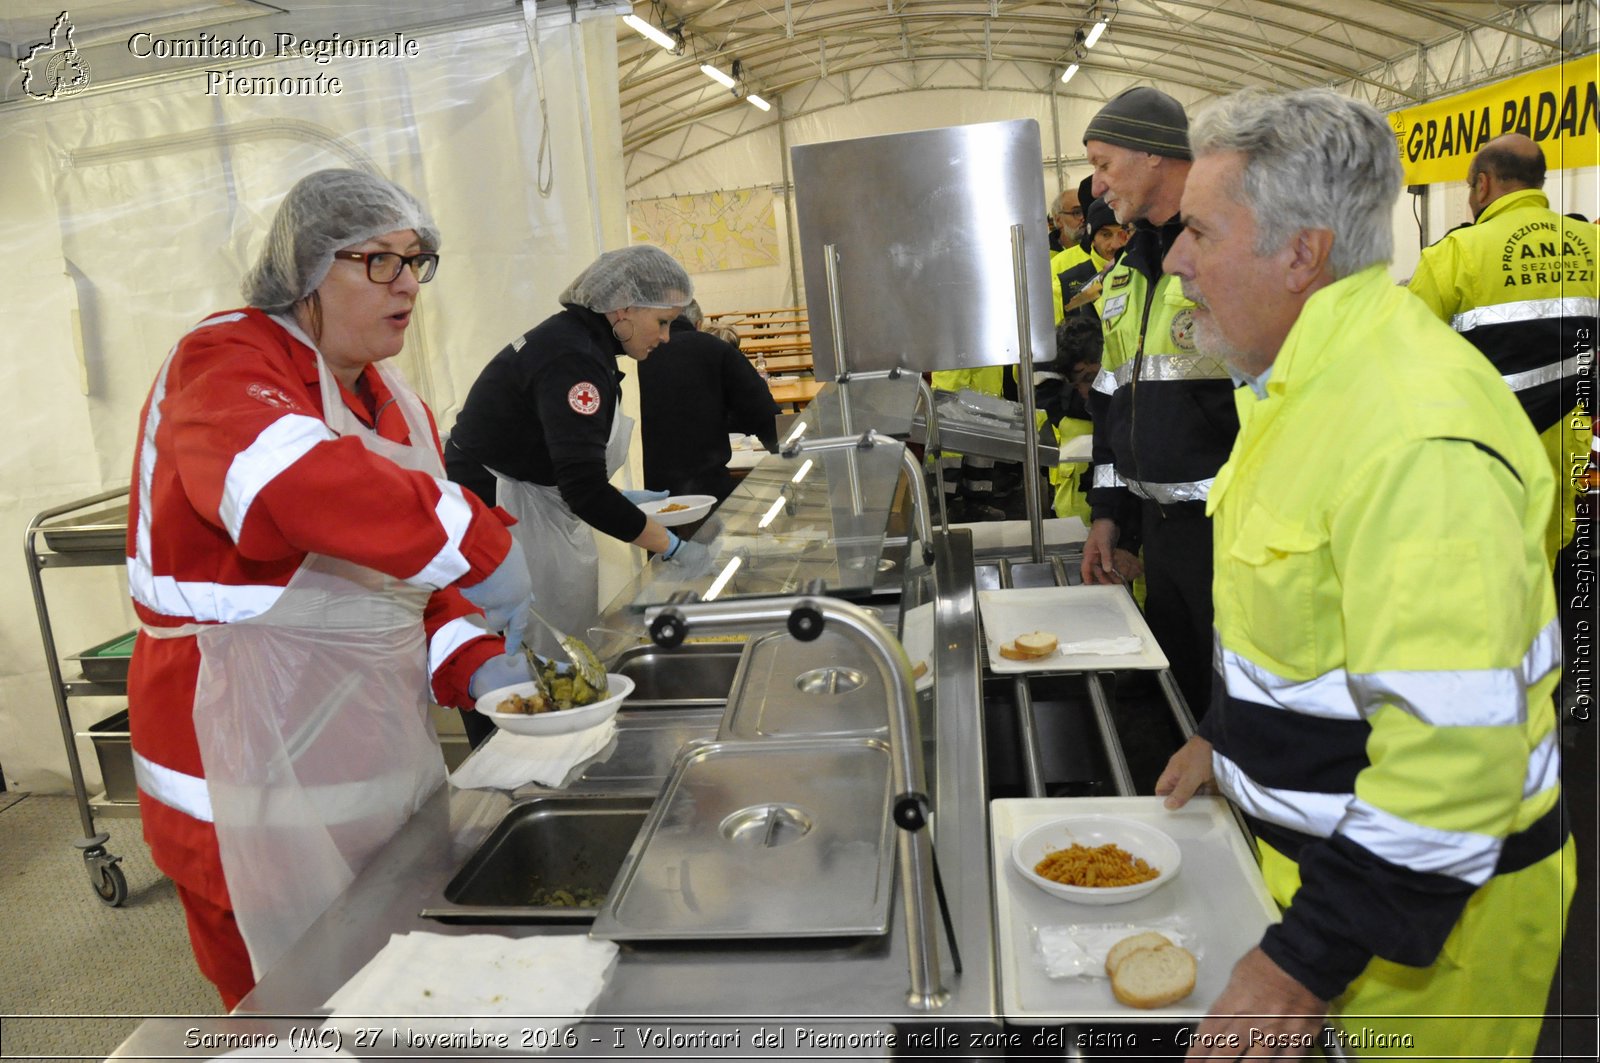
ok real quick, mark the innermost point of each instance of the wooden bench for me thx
(777, 339)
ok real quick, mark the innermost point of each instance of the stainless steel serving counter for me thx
(855, 985)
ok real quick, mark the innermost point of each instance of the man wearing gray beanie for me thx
(1163, 414)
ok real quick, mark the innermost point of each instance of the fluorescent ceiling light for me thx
(644, 29)
(1094, 34)
(759, 102)
(716, 75)
(1067, 74)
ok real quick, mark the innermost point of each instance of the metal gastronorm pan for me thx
(771, 838)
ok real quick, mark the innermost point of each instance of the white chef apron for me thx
(560, 548)
(312, 719)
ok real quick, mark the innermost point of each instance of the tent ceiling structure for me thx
(808, 55)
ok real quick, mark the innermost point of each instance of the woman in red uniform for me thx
(294, 554)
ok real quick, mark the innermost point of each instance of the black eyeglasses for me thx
(384, 266)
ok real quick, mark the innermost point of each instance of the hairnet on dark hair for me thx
(641, 275)
(324, 212)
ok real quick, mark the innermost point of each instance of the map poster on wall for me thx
(712, 231)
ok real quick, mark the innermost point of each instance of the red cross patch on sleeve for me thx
(584, 398)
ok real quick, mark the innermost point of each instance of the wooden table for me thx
(795, 392)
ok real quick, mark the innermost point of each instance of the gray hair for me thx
(693, 314)
(1312, 159)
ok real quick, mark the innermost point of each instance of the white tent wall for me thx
(132, 212)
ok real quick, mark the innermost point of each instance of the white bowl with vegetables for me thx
(564, 704)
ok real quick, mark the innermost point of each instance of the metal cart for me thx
(89, 532)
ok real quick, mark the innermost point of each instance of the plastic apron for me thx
(560, 548)
(312, 721)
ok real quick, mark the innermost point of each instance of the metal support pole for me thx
(1121, 777)
(830, 263)
(1030, 430)
(1028, 736)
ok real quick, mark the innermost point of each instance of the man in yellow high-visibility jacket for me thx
(1163, 412)
(1385, 625)
(1521, 284)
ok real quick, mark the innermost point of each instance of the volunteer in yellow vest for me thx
(1385, 622)
(1066, 221)
(1080, 285)
(1521, 284)
(1072, 252)
(1163, 414)
(969, 478)
(1078, 351)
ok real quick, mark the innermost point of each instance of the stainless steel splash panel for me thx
(921, 223)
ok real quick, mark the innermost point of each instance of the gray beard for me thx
(1208, 339)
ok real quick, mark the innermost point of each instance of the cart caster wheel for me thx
(110, 885)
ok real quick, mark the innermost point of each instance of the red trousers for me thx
(219, 950)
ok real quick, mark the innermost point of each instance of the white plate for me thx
(1220, 899)
(1140, 839)
(563, 721)
(699, 506)
(1072, 615)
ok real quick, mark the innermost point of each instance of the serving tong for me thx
(578, 652)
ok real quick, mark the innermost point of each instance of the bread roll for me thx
(1036, 644)
(1154, 978)
(1119, 952)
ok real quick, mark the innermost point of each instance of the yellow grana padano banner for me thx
(1557, 106)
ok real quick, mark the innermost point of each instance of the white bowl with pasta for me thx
(1071, 874)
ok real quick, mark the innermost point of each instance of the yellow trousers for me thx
(1484, 997)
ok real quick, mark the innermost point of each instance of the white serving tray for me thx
(1079, 450)
(1070, 614)
(1016, 534)
(1219, 895)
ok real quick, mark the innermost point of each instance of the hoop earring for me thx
(620, 338)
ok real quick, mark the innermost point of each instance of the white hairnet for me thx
(324, 212)
(632, 276)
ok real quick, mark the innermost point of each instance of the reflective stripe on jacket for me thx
(1521, 285)
(1163, 415)
(236, 479)
(1386, 630)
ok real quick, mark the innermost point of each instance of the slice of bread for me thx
(1009, 651)
(1119, 952)
(1036, 643)
(1154, 978)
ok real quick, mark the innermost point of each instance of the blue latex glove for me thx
(692, 557)
(505, 597)
(497, 672)
(645, 496)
